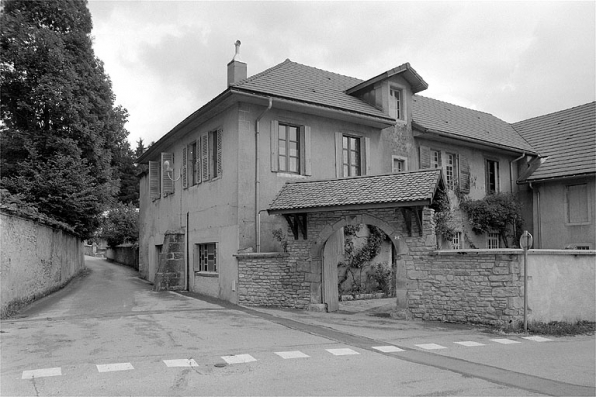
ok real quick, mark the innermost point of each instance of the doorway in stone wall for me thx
(357, 264)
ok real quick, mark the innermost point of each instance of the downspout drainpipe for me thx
(511, 169)
(258, 176)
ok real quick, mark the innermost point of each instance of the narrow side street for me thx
(109, 334)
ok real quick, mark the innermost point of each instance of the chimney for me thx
(236, 68)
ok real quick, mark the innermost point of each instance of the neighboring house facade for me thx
(562, 184)
(214, 175)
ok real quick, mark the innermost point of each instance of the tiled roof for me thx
(567, 138)
(462, 122)
(291, 80)
(404, 187)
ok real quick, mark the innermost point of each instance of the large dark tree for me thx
(62, 134)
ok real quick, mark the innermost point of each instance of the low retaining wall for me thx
(35, 260)
(125, 255)
(269, 279)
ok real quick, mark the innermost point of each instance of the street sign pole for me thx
(525, 242)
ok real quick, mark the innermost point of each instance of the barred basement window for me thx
(456, 241)
(206, 257)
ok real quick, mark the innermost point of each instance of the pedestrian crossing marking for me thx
(388, 349)
(469, 343)
(431, 346)
(505, 341)
(292, 354)
(114, 367)
(41, 373)
(537, 338)
(239, 359)
(185, 362)
(342, 352)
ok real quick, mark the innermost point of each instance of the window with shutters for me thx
(435, 158)
(451, 170)
(154, 180)
(492, 176)
(192, 162)
(289, 148)
(577, 203)
(208, 165)
(351, 155)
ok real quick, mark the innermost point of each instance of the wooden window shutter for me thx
(167, 184)
(197, 164)
(366, 156)
(205, 157)
(339, 162)
(184, 167)
(424, 157)
(464, 174)
(154, 180)
(305, 162)
(274, 145)
(218, 159)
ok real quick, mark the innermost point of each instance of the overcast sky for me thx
(515, 60)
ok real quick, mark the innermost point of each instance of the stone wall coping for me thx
(255, 255)
(512, 251)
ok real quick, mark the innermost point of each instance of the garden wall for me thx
(271, 279)
(35, 260)
(124, 254)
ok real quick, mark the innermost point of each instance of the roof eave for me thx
(555, 178)
(444, 134)
(417, 203)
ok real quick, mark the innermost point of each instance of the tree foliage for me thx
(495, 213)
(120, 224)
(63, 136)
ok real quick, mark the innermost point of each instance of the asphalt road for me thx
(109, 334)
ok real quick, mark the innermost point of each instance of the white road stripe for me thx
(342, 352)
(114, 367)
(431, 346)
(40, 373)
(469, 343)
(505, 341)
(388, 349)
(239, 359)
(292, 354)
(184, 362)
(537, 338)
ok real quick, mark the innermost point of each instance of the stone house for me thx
(217, 184)
(561, 184)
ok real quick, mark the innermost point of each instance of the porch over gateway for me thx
(404, 189)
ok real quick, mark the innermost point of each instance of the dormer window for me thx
(397, 103)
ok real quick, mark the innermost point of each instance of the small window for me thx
(192, 161)
(206, 257)
(289, 148)
(397, 103)
(451, 170)
(493, 241)
(456, 241)
(492, 176)
(351, 155)
(214, 154)
(578, 211)
(398, 164)
(435, 159)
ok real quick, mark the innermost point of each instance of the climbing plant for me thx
(495, 213)
(443, 217)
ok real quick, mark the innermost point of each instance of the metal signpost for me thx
(525, 242)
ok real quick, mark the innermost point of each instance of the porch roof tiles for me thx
(392, 190)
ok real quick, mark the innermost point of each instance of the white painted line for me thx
(114, 367)
(505, 341)
(388, 349)
(342, 352)
(431, 346)
(537, 338)
(40, 373)
(239, 359)
(292, 354)
(469, 343)
(184, 362)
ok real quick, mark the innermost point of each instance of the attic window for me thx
(397, 104)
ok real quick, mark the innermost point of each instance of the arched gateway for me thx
(398, 204)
